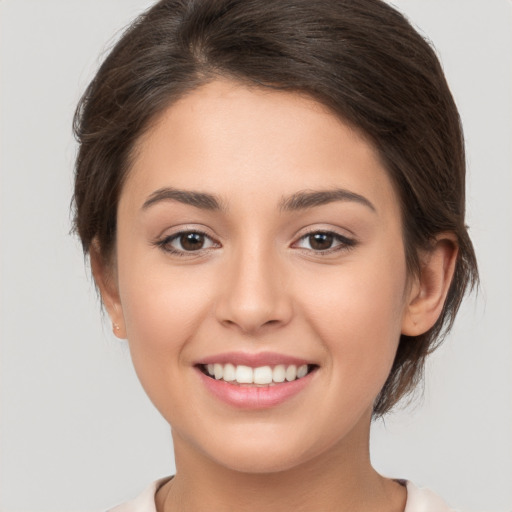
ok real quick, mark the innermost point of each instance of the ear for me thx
(428, 291)
(106, 280)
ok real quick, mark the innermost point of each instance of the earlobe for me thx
(428, 293)
(105, 279)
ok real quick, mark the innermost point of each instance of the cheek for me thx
(162, 307)
(357, 312)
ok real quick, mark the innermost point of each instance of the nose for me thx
(255, 296)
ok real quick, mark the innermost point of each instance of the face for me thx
(260, 276)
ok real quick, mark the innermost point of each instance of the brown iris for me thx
(192, 241)
(321, 241)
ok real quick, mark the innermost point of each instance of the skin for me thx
(259, 284)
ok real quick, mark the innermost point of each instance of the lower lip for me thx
(255, 397)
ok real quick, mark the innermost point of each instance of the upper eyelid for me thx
(176, 235)
(187, 231)
(308, 230)
(302, 234)
(182, 230)
(344, 240)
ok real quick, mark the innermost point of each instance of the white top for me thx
(418, 500)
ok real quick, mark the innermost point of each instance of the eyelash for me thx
(344, 243)
(165, 243)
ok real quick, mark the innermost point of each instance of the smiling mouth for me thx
(263, 376)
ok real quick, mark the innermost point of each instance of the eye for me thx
(325, 241)
(186, 242)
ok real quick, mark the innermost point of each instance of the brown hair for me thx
(360, 58)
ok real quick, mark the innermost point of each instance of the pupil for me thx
(192, 241)
(321, 241)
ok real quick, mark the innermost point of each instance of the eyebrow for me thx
(301, 200)
(310, 198)
(201, 200)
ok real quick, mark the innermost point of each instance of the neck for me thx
(340, 479)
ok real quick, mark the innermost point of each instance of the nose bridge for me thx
(255, 292)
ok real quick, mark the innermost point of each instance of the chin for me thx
(260, 450)
(255, 460)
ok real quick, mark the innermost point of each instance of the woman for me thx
(272, 198)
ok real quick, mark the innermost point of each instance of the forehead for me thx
(234, 140)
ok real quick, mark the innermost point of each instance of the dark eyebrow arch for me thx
(309, 199)
(201, 200)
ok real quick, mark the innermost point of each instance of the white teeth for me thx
(291, 373)
(244, 375)
(218, 371)
(261, 375)
(229, 372)
(279, 373)
(302, 371)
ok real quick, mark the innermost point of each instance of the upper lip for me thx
(253, 360)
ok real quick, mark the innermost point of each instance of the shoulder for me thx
(144, 502)
(424, 500)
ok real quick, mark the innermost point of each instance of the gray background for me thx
(77, 432)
